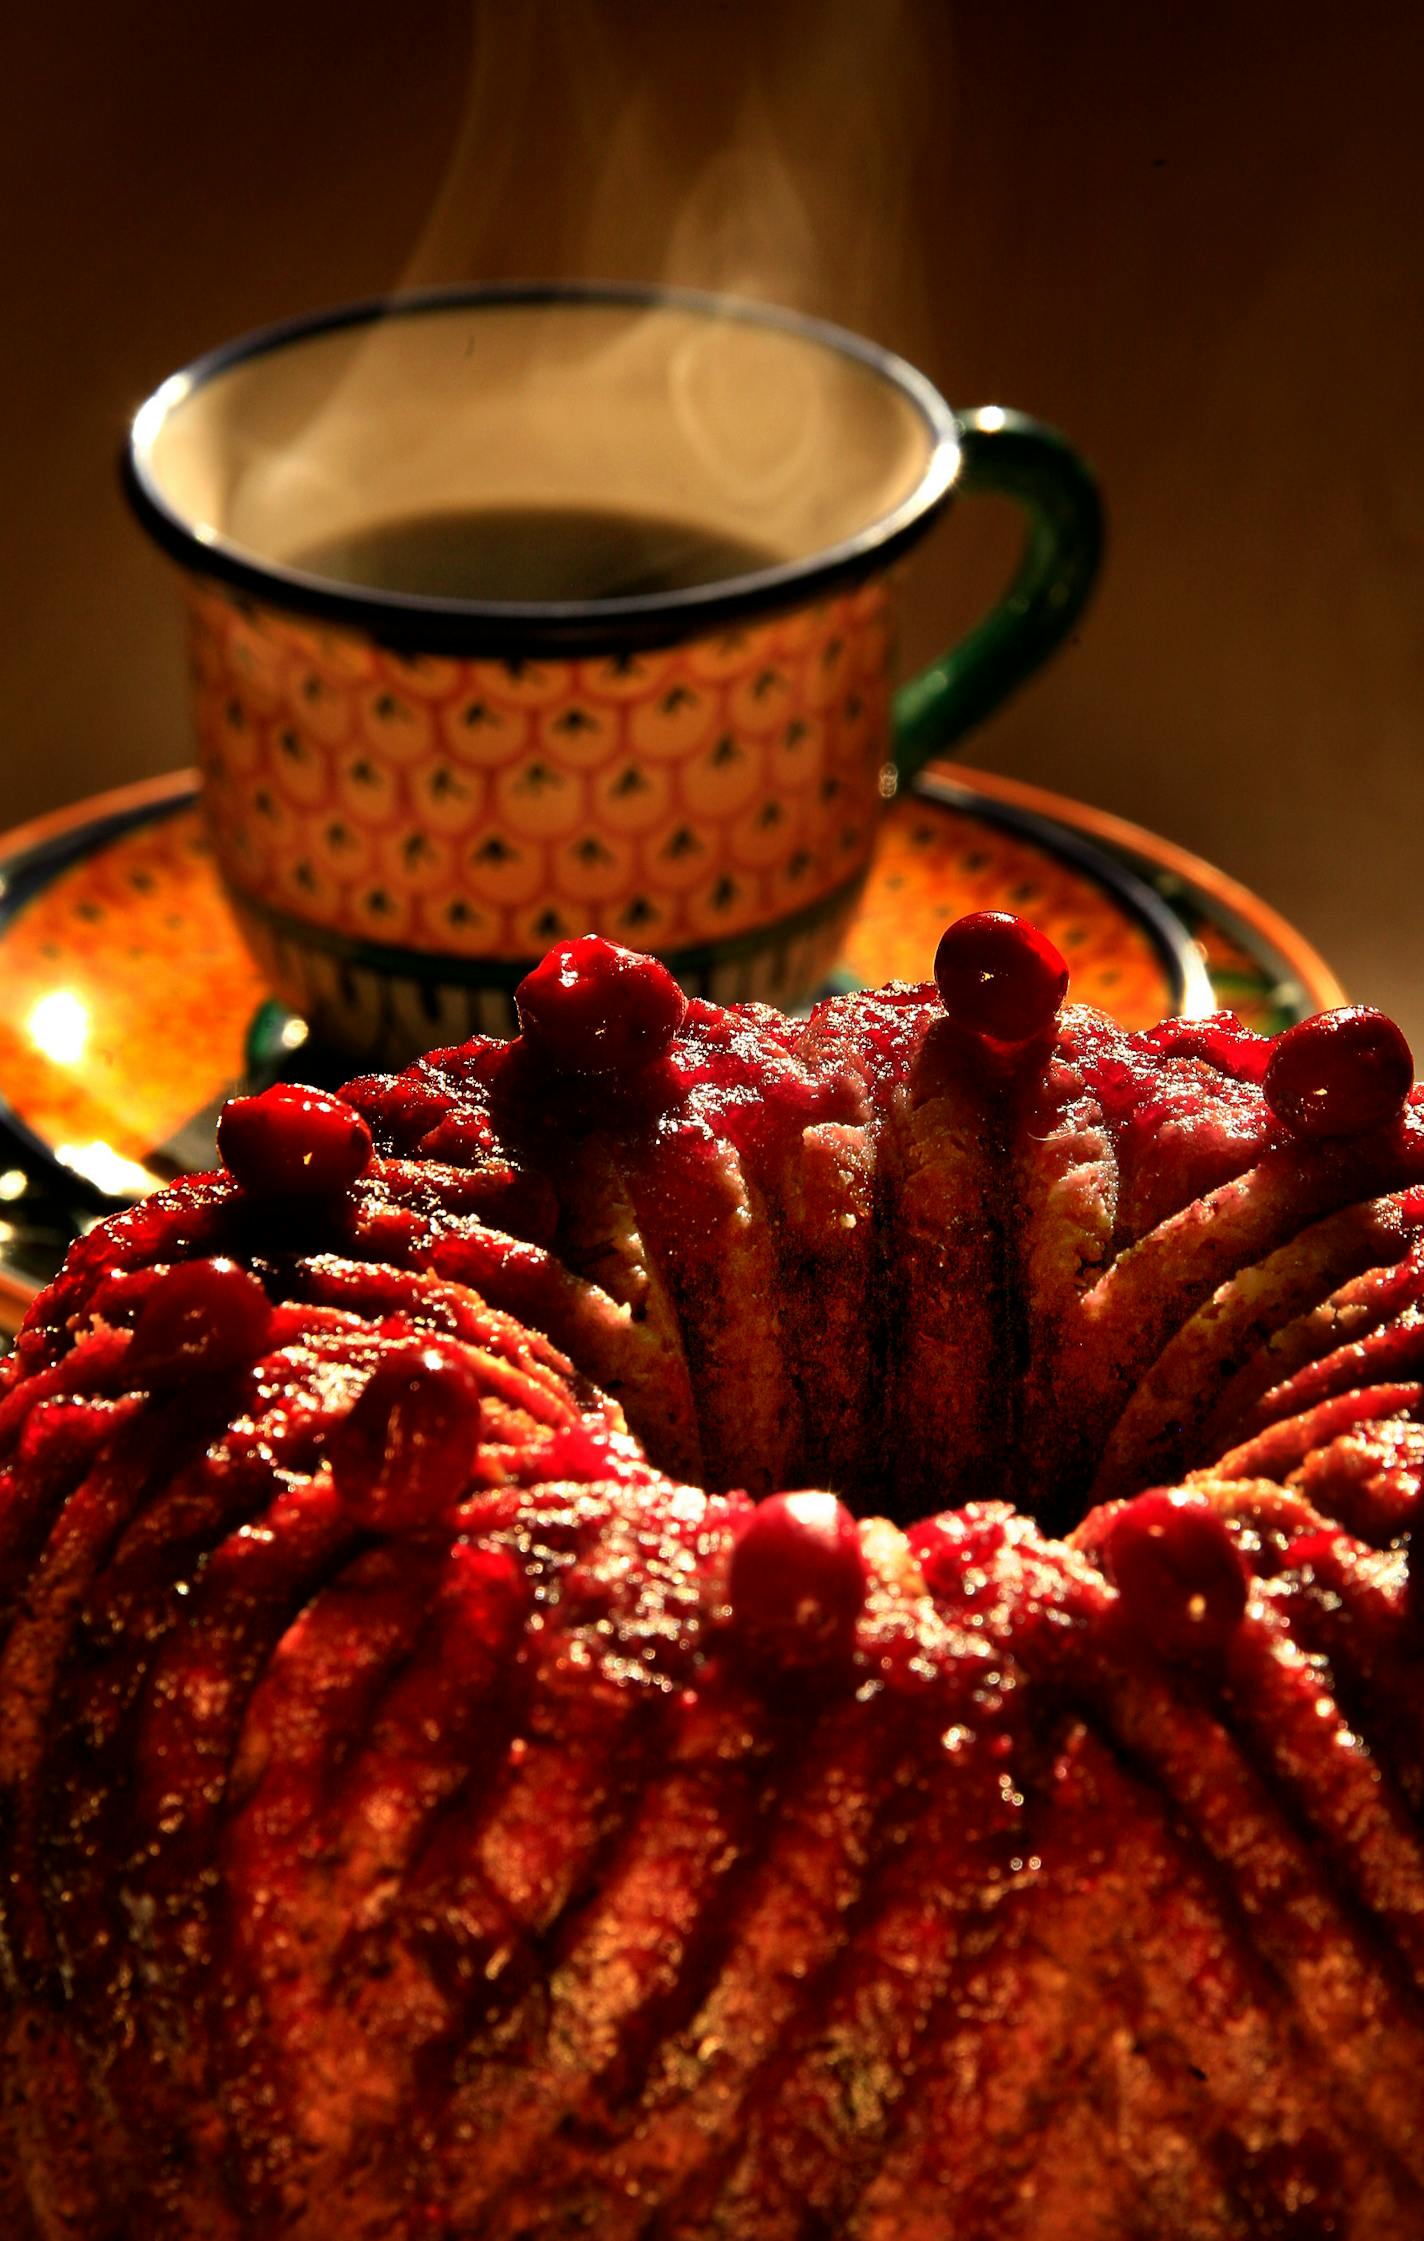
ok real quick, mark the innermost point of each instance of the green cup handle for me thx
(1010, 456)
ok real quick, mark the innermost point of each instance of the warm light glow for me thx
(13, 1184)
(815, 1510)
(151, 415)
(107, 1169)
(58, 1025)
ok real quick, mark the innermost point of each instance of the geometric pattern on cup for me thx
(367, 1007)
(486, 808)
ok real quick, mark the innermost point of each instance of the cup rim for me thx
(406, 621)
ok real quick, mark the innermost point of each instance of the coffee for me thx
(525, 553)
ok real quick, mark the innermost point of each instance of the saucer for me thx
(129, 1009)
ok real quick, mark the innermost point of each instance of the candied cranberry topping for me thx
(1219, 1040)
(1178, 1572)
(1339, 1073)
(798, 1580)
(403, 1455)
(998, 976)
(592, 1007)
(293, 1140)
(196, 1317)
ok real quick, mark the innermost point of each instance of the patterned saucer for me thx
(129, 1008)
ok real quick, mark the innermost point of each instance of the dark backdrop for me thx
(1189, 236)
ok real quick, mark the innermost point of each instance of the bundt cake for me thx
(704, 1624)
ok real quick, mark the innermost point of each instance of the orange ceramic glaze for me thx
(126, 994)
(938, 863)
(148, 993)
(136, 932)
(417, 782)
(706, 789)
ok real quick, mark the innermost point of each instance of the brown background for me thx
(1190, 237)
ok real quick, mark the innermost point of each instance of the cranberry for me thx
(798, 1580)
(999, 976)
(198, 1316)
(1339, 1073)
(403, 1454)
(593, 1008)
(1178, 1572)
(293, 1140)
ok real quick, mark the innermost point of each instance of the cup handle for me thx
(1010, 456)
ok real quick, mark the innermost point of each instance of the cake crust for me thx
(430, 1839)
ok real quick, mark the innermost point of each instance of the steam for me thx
(753, 151)
(762, 151)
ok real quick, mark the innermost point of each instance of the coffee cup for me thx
(520, 612)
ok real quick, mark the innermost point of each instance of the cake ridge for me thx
(419, 1838)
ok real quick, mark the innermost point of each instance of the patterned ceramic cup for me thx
(443, 723)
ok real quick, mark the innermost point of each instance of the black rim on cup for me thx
(511, 628)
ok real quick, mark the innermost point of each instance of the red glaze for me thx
(1310, 1549)
(999, 976)
(402, 1457)
(592, 1007)
(1179, 1573)
(798, 1580)
(293, 1140)
(1219, 1040)
(196, 1317)
(1339, 1073)
(531, 1821)
(957, 1551)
